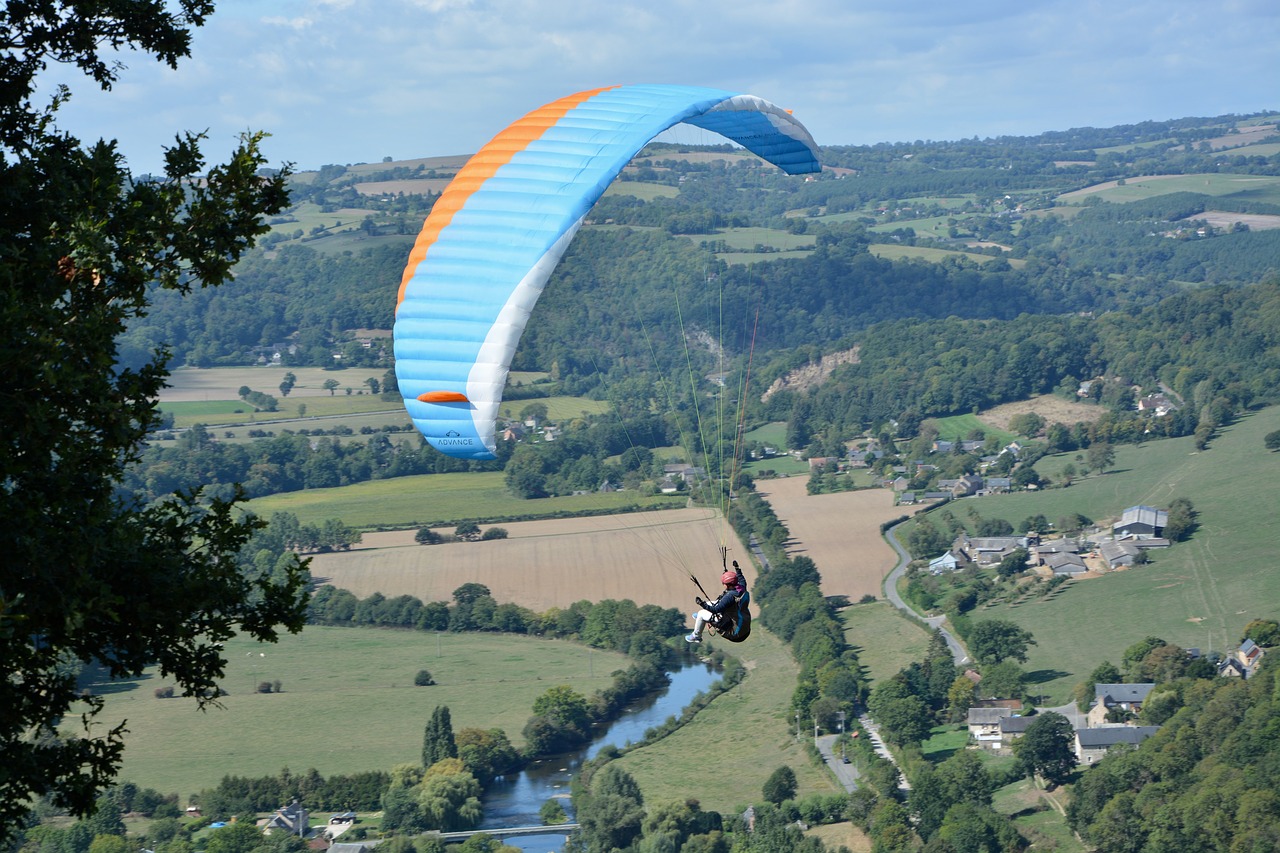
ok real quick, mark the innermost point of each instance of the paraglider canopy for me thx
(496, 233)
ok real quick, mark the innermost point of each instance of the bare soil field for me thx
(646, 557)
(1051, 408)
(840, 532)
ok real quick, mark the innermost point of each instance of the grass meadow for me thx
(348, 702)
(756, 715)
(886, 640)
(1257, 187)
(642, 190)
(1199, 593)
(927, 253)
(959, 427)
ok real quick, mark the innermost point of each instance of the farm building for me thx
(1092, 744)
(1140, 522)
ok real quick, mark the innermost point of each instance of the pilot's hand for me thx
(699, 601)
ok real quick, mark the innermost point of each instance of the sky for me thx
(356, 81)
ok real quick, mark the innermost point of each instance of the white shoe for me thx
(693, 638)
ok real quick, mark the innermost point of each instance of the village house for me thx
(1093, 743)
(989, 550)
(1157, 404)
(986, 721)
(984, 725)
(1123, 697)
(1012, 728)
(292, 819)
(996, 485)
(1243, 662)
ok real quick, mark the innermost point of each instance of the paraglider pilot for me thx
(725, 608)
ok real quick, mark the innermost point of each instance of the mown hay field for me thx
(840, 532)
(645, 556)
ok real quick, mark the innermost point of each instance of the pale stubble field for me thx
(645, 557)
(840, 532)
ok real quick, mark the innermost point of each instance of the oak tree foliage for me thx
(90, 574)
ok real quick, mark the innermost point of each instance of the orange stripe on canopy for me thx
(443, 397)
(486, 162)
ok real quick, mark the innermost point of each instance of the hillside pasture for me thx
(643, 190)
(1259, 187)
(893, 252)
(559, 408)
(840, 532)
(348, 702)
(646, 557)
(1199, 593)
(438, 499)
(406, 186)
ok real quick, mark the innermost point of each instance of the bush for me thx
(552, 813)
(423, 679)
(494, 533)
(781, 785)
(164, 692)
(427, 536)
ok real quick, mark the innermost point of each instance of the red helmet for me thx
(729, 578)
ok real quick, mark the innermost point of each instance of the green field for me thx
(958, 427)
(223, 412)
(437, 500)
(773, 434)
(1254, 187)
(886, 640)
(927, 253)
(642, 190)
(348, 702)
(1198, 593)
(756, 715)
(558, 408)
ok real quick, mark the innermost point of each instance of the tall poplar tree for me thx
(437, 740)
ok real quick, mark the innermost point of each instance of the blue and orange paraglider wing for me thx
(499, 229)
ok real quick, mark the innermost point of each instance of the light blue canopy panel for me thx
(495, 235)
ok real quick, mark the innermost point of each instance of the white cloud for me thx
(356, 80)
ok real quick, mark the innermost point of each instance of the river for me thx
(515, 801)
